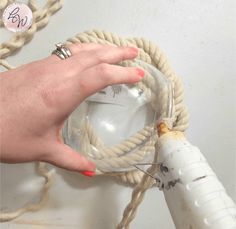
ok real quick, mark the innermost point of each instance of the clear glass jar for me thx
(116, 126)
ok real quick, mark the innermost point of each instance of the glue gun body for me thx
(195, 197)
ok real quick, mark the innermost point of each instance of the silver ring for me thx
(62, 51)
(59, 54)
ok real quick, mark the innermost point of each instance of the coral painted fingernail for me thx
(134, 50)
(88, 173)
(140, 72)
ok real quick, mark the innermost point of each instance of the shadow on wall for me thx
(103, 207)
(20, 184)
(100, 200)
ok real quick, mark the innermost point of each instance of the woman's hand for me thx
(37, 98)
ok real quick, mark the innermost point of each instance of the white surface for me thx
(199, 39)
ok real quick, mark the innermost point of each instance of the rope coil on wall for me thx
(148, 53)
(151, 54)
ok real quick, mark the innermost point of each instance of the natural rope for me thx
(40, 19)
(113, 157)
(119, 156)
(137, 196)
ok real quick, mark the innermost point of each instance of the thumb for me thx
(65, 157)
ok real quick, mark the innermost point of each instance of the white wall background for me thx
(199, 38)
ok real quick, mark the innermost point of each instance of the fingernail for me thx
(134, 50)
(140, 72)
(88, 173)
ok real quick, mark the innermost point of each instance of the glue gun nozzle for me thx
(162, 129)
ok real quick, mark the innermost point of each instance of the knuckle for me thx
(122, 52)
(103, 54)
(104, 70)
(76, 46)
(98, 56)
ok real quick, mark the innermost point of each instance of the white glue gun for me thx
(195, 197)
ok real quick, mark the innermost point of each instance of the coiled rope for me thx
(151, 54)
(114, 156)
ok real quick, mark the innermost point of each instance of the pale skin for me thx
(37, 98)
